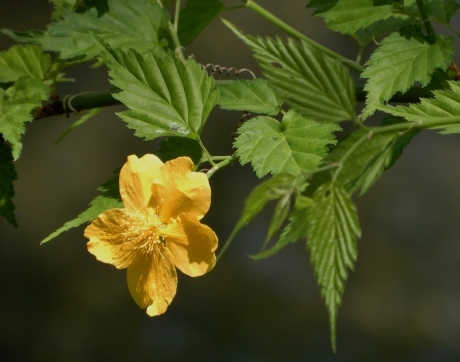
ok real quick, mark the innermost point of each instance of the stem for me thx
(227, 161)
(87, 101)
(175, 39)
(251, 4)
(426, 22)
(205, 151)
(176, 16)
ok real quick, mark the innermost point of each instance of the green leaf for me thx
(16, 106)
(83, 119)
(195, 17)
(294, 231)
(129, 24)
(348, 16)
(382, 27)
(310, 81)
(366, 164)
(165, 96)
(61, 6)
(439, 10)
(7, 176)
(279, 186)
(333, 227)
(444, 104)
(174, 147)
(398, 63)
(101, 6)
(110, 199)
(21, 60)
(294, 145)
(249, 95)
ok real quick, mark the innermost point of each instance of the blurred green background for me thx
(58, 303)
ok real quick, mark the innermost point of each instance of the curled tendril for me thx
(215, 68)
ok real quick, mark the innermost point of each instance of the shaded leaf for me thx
(251, 96)
(309, 81)
(110, 199)
(195, 17)
(333, 227)
(165, 96)
(444, 104)
(294, 145)
(382, 27)
(279, 186)
(7, 176)
(23, 60)
(348, 16)
(101, 6)
(16, 106)
(293, 232)
(375, 154)
(398, 63)
(174, 147)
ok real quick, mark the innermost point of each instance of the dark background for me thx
(58, 303)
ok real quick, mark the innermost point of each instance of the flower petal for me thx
(136, 178)
(192, 245)
(152, 281)
(105, 236)
(179, 190)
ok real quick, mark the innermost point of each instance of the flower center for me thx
(143, 232)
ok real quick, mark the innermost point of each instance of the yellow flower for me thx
(158, 230)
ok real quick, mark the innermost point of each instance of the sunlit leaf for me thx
(348, 16)
(7, 176)
(166, 97)
(398, 63)
(333, 227)
(195, 17)
(109, 199)
(294, 145)
(252, 96)
(174, 147)
(23, 60)
(309, 81)
(444, 104)
(129, 24)
(16, 106)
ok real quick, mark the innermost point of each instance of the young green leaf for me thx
(294, 231)
(332, 231)
(174, 147)
(251, 96)
(294, 145)
(398, 63)
(7, 176)
(348, 16)
(310, 82)
(166, 97)
(129, 24)
(21, 60)
(61, 6)
(195, 17)
(16, 106)
(110, 199)
(279, 186)
(444, 104)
